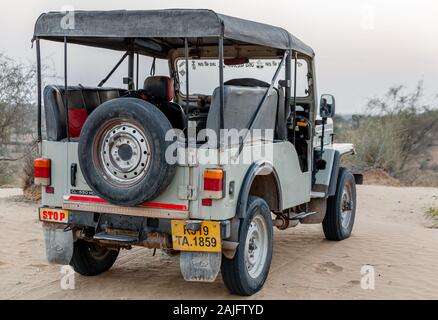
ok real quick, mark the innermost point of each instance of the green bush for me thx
(395, 130)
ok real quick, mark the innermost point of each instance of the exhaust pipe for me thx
(156, 240)
(283, 222)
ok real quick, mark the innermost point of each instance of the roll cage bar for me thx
(152, 43)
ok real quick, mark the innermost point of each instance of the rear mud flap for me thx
(200, 266)
(59, 245)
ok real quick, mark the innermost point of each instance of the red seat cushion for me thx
(76, 120)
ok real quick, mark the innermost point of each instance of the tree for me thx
(17, 96)
(17, 114)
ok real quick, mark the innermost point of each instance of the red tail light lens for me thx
(42, 169)
(207, 202)
(213, 183)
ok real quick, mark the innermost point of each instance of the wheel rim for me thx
(346, 206)
(122, 152)
(256, 246)
(97, 252)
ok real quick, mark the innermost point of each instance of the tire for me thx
(237, 276)
(90, 259)
(341, 208)
(122, 151)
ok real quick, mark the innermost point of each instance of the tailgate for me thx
(71, 187)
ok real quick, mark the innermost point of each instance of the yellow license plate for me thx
(54, 215)
(206, 239)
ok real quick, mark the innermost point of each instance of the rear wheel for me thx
(246, 273)
(341, 208)
(90, 259)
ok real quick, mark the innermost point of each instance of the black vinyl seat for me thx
(247, 82)
(160, 92)
(81, 102)
(240, 104)
(242, 97)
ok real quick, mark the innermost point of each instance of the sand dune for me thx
(389, 234)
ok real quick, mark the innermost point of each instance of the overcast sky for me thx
(362, 47)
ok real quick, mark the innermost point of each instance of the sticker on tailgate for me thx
(54, 215)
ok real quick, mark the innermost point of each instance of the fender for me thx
(334, 174)
(254, 170)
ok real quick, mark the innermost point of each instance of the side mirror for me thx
(327, 106)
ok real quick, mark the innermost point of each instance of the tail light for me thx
(42, 171)
(214, 183)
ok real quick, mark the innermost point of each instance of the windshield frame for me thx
(212, 52)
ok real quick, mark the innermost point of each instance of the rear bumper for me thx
(160, 211)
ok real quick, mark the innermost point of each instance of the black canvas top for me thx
(157, 31)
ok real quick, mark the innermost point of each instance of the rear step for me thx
(115, 237)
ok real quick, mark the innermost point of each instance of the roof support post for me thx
(104, 80)
(288, 89)
(136, 71)
(131, 70)
(221, 83)
(38, 61)
(66, 89)
(186, 55)
(294, 107)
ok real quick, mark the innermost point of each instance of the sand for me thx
(390, 234)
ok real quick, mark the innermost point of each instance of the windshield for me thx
(204, 74)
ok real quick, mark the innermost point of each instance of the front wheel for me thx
(246, 273)
(341, 208)
(90, 259)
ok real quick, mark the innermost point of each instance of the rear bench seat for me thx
(81, 102)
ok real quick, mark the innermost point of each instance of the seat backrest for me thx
(159, 88)
(81, 102)
(280, 126)
(247, 82)
(240, 105)
(160, 91)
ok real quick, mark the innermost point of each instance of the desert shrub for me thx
(394, 130)
(17, 115)
(27, 175)
(30, 191)
(431, 215)
(6, 170)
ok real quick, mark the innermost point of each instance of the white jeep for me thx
(203, 162)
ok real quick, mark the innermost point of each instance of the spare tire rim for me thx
(122, 152)
(256, 246)
(346, 206)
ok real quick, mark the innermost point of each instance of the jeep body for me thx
(216, 207)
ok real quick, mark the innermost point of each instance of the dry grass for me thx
(432, 212)
(431, 215)
(30, 191)
(397, 135)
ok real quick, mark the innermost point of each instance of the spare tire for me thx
(122, 151)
